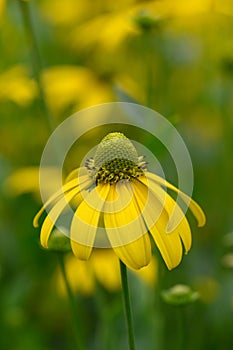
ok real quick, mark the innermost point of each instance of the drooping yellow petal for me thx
(53, 215)
(81, 183)
(193, 206)
(85, 221)
(125, 228)
(136, 254)
(183, 228)
(169, 245)
(150, 205)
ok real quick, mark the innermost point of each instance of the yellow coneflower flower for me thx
(115, 191)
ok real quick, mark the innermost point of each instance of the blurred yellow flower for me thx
(16, 86)
(106, 31)
(23, 180)
(115, 191)
(69, 12)
(193, 7)
(73, 87)
(2, 7)
(103, 266)
(64, 12)
(26, 180)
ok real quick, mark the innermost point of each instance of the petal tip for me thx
(37, 217)
(35, 222)
(202, 222)
(44, 243)
(81, 251)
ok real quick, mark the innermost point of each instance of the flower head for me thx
(180, 294)
(119, 202)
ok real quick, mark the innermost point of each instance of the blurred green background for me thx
(173, 56)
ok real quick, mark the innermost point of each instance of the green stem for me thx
(73, 305)
(35, 57)
(125, 290)
(158, 314)
(181, 328)
(104, 339)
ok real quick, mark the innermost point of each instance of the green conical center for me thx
(116, 159)
(115, 145)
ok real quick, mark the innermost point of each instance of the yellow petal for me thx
(53, 215)
(193, 206)
(183, 228)
(85, 222)
(125, 228)
(150, 205)
(169, 245)
(136, 254)
(81, 183)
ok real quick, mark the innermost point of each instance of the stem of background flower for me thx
(125, 290)
(158, 314)
(35, 58)
(105, 310)
(181, 315)
(73, 306)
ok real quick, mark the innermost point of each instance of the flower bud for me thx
(146, 21)
(180, 294)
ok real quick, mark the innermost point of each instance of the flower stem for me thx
(181, 328)
(158, 315)
(125, 290)
(73, 305)
(35, 58)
